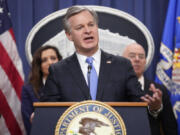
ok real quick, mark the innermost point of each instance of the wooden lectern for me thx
(134, 115)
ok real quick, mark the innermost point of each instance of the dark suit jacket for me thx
(117, 81)
(166, 118)
(28, 98)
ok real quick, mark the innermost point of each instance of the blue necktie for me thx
(92, 78)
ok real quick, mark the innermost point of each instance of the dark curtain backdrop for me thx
(26, 13)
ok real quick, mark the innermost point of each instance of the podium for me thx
(134, 115)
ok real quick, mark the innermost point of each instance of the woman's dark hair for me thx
(36, 75)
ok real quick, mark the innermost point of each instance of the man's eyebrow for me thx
(132, 53)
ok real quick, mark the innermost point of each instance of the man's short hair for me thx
(75, 10)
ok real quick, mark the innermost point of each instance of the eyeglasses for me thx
(136, 56)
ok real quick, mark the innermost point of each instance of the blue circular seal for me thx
(90, 118)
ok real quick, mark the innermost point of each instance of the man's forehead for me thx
(87, 13)
(136, 49)
(81, 17)
(136, 52)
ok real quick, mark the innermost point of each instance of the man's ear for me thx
(69, 36)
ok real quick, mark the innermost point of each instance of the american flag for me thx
(11, 78)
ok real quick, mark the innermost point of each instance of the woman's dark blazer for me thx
(28, 98)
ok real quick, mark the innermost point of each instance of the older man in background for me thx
(165, 119)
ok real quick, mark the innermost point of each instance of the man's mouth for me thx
(137, 66)
(88, 39)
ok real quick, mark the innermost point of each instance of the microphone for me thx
(88, 77)
(89, 69)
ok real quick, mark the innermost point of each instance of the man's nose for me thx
(136, 57)
(87, 29)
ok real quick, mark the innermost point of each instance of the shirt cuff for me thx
(155, 113)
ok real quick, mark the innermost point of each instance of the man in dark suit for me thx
(68, 80)
(136, 54)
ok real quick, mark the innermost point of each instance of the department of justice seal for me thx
(90, 118)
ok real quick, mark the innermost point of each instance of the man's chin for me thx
(137, 72)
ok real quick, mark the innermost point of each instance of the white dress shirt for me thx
(141, 80)
(84, 66)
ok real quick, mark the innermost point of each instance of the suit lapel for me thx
(147, 86)
(77, 75)
(104, 74)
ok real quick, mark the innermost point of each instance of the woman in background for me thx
(42, 59)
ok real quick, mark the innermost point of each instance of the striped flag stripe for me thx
(9, 45)
(10, 120)
(3, 128)
(12, 34)
(9, 68)
(11, 98)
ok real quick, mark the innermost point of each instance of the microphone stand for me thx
(88, 77)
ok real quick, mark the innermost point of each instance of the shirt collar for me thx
(96, 56)
(96, 63)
